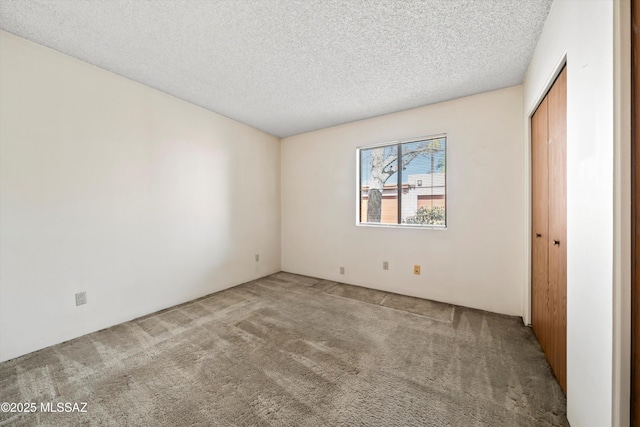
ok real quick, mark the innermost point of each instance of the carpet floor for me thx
(289, 350)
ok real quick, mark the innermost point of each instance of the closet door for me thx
(549, 226)
(557, 116)
(540, 320)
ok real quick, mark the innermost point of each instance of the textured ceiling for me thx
(291, 66)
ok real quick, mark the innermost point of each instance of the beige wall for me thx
(478, 261)
(111, 187)
(388, 209)
(431, 202)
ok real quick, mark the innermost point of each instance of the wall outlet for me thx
(257, 257)
(385, 265)
(81, 298)
(416, 269)
(341, 270)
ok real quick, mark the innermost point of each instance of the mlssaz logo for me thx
(63, 407)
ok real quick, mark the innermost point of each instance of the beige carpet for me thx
(289, 350)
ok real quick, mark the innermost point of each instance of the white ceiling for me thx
(292, 66)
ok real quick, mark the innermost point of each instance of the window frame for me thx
(360, 148)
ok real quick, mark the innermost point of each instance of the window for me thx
(403, 183)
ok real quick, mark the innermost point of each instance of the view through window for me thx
(404, 183)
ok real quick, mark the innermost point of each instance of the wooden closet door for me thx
(549, 226)
(540, 320)
(557, 116)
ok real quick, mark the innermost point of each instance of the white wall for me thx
(477, 262)
(584, 31)
(108, 186)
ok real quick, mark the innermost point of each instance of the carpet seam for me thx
(391, 308)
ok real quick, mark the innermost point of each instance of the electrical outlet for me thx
(81, 298)
(341, 270)
(416, 269)
(385, 265)
(257, 257)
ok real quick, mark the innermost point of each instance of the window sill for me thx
(414, 226)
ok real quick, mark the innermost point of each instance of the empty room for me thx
(319, 213)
